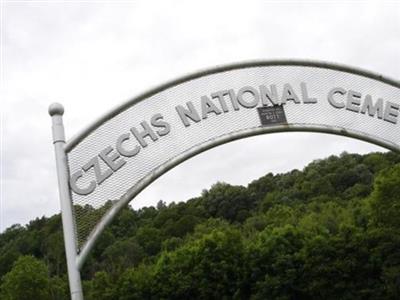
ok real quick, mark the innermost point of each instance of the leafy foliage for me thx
(330, 231)
(27, 280)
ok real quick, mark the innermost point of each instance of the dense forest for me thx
(330, 231)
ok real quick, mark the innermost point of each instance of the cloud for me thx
(93, 56)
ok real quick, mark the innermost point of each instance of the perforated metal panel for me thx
(181, 139)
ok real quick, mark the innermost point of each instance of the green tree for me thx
(339, 266)
(59, 289)
(137, 284)
(385, 199)
(101, 287)
(329, 231)
(27, 280)
(232, 203)
(149, 238)
(207, 268)
(274, 264)
(121, 255)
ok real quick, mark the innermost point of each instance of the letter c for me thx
(81, 191)
(332, 101)
(125, 152)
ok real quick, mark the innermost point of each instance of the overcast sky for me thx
(93, 55)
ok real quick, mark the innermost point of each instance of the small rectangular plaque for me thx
(272, 115)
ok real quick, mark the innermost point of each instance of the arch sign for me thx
(103, 168)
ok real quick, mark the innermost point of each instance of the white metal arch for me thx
(307, 66)
(370, 113)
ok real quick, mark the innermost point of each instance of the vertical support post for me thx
(56, 112)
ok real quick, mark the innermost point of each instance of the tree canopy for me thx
(329, 231)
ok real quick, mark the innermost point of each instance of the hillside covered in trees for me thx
(330, 231)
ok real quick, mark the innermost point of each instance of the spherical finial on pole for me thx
(56, 109)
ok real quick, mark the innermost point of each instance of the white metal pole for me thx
(56, 111)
